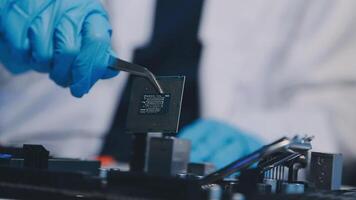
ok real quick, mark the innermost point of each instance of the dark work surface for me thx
(326, 195)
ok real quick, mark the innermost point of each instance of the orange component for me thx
(106, 160)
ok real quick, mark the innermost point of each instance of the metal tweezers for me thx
(121, 65)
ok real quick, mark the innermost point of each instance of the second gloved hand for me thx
(218, 143)
(68, 39)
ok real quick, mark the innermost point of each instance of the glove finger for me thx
(4, 5)
(67, 47)
(217, 138)
(110, 73)
(41, 34)
(16, 17)
(204, 137)
(195, 131)
(14, 35)
(91, 63)
(14, 65)
(205, 148)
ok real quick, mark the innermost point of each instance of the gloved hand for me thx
(218, 143)
(68, 39)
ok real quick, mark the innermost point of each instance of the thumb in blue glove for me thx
(70, 40)
(218, 143)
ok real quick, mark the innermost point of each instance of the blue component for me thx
(69, 40)
(5, 156)
(218, 143)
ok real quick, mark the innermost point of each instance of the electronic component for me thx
(245, 162)
(326, 170)
(168, 156)
(263, 182)
(35, 156)
(152, 112)
(201, 169)
(154, 104)
(292, 188)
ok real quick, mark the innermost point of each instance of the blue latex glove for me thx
(69, 39)
(218, 143)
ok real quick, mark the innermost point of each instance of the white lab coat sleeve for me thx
(323, 108)
(256, 76)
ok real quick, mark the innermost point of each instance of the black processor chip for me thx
(150, 111)
(154, 104)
